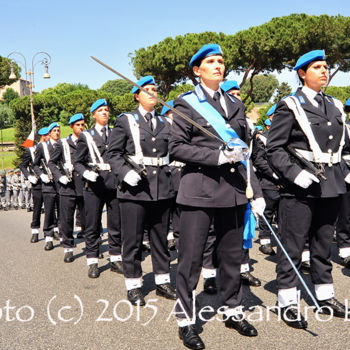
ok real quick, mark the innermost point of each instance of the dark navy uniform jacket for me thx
(204, 183)
(27, 161)
(327, 129)
(74, 187)
(106, 180)
(51, 187)
(158, 184)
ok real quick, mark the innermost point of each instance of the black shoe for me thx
(6, 209)
(146, 246)
(166, 290)
(48, 245)
(117, 266)
(250, 280)
(135, 297)
(345, 262)
(80, 234)
(172, 244)
(209, 285)
(35, 238)
(241, 326)
(56, 236)
(305, 267)
(338, 308)
(68, 257)
(292, 318)
(267, 249)
(190, 338)
(29, 209)
(94, 272)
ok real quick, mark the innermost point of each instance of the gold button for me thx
(232, 170)
(330, 137)
(329, 151)
(153, 138)
(154, 172)
(329, 123)
(154, 150)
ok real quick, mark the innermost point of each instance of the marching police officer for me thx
(71, 184)
(27, 169)
(91, 163)
(212, 187)
(313, 125)
(2, 189)
(142, 136)
(49, 185)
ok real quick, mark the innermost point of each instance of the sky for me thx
(72, 31)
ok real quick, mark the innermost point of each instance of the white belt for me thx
(101, 166)
(330, 158)
(153, 161)
(346, 157)
(177, 164)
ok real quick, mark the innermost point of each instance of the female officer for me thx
(313, 124)
(212, 187)
(143, 137)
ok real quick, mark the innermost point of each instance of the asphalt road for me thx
(47, 304)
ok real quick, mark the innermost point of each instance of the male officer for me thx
(212, 188)
(27, 169)
(71, 184)
(232, 88)
(9, 190)
(2, 189)
(143, 136)
(268, 182)
(16, 188)
(91, 163)
(49, 185)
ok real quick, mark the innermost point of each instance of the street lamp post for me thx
(45, 59)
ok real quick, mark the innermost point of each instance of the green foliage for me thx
(8, 159)
(342, 93)
(264, 87)
(282, 90)
(5, 71)
(9, 95)
(263, 116)
(118, 87)
(178, 90)
(121, 104)
(64, 88)
(8, 135)
(7, 117)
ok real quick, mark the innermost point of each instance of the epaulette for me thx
(186, 93)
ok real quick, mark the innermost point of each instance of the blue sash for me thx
(199, 102)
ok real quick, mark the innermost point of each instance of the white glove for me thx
(347, 178)
(132, 178)
(234, 156)
(32, 179)
(44, 178)
(304, 179)
(258, 206)
(69, 166)
(63, 180)
(90, 175)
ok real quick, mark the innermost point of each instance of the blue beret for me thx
(347, 103)
(229, 85)
(205, 51)
(52, 125)
(259, 127)
(147, 80)
(75, 118)
(267, 122)
(43, 131)
(315, 55)
(167, 109)
(271, 110)
(97, 104)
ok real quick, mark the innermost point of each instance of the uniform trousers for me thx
(209, 254)
(272, 198)
(67, 209)
(194, 228)
(95, 198)
(133, 217)
(51, 203)
(38, 202)
(301, 219)
(343, 223)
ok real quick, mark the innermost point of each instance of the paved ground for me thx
(46, 304)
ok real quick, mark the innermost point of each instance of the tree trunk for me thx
(332, 76)
(247, 71)
(255, 72)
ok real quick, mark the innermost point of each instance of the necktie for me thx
(319, 98)
(148, 117)
(217, 103)
(104, 136)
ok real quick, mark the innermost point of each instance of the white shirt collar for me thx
(52, 142)
(311, 94)
(144, 112)
(210, 91)
(74, 138)
(99, 128)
